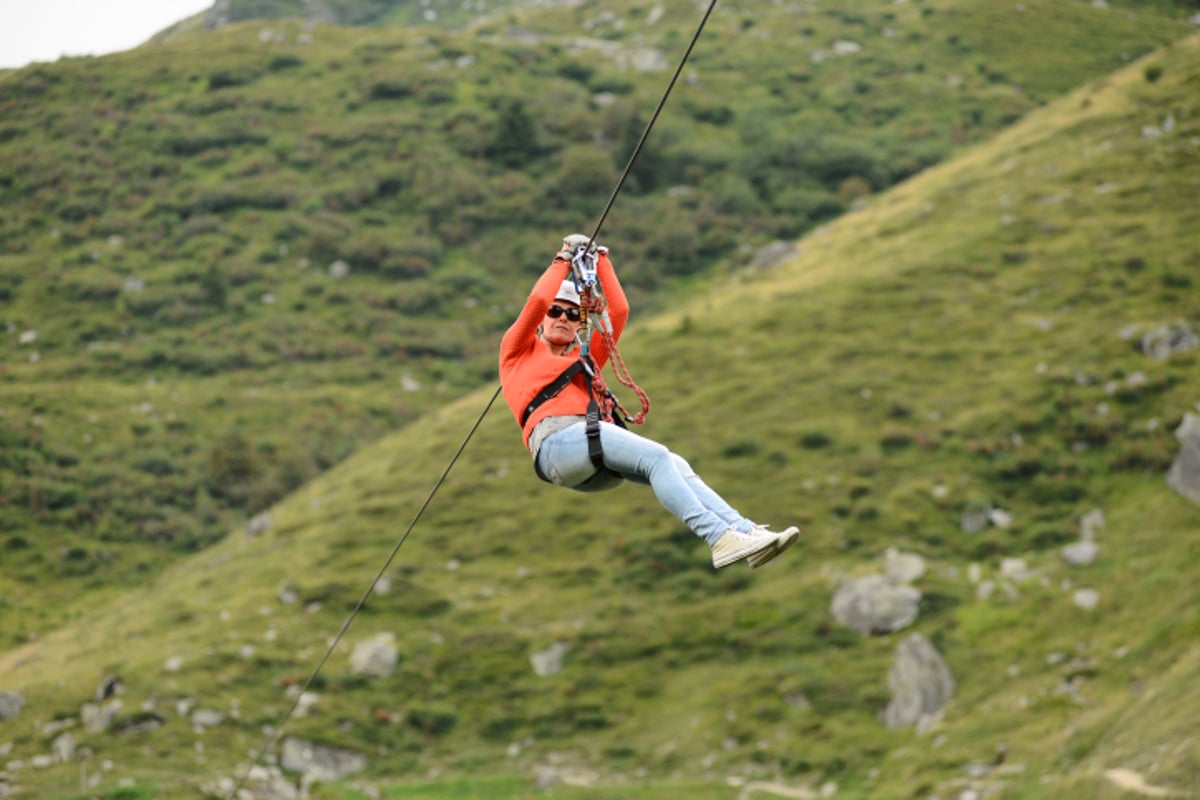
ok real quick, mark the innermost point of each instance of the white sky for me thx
(44, 30)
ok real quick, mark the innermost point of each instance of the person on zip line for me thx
(572, 424)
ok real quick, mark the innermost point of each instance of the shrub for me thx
(815, 439)
(227, 78)
(515, 142)
(434, 720)
(284, 61)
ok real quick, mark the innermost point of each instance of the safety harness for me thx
(602, 403)
(586, 366)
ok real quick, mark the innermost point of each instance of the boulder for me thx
(1090, 523)
(1163, 341)
(975, 519)
(10, 705)
(376, 657)
(903, 567)
(549, 661)
(873, 604)
(99, 717)
(1081, 553)
(920, 683)
(1184, 474)
(320, 762)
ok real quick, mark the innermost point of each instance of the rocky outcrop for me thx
(920, 683)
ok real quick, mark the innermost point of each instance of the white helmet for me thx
(567, 293)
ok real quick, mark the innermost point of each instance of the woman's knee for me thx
(681, 464)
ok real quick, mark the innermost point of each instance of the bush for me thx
(227, 78)
(515, 142)
(815, 439)
(434, 720)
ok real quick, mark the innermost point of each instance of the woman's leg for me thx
(564, 459)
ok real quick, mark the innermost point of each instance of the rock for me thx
(903, 567)
(98, 717)
(975, 520)
(873, 604)
(1184, 474)
(10, 705)
(920, 683)
(1015, 570)
(205, 718)
(63, 748)
(376, 657)
(1163, 341)
(1000, 518)
(1091, 522)
(258, 525)
(320, 762)
(773, 254)
(1081, 553)
(1086, 599)
(549, 661)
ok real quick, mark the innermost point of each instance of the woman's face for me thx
(558, 328)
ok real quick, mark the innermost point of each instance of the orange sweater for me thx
(526, 363)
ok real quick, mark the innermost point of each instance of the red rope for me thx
(593, 303)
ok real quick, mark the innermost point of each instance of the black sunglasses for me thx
(554, 312)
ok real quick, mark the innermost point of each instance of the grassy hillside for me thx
(954, 344)
(231, 258)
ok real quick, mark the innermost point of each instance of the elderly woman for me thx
(548, 388)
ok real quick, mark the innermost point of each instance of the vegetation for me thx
(951, 343)
(231, 258)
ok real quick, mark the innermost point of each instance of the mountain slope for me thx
(232, 258)
(959, 343)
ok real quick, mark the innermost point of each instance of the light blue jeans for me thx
(563, 459)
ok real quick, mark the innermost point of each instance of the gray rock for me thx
(1080, 554)
(1090, 523)
(903, 567)
(874, 605)
(1086, 599)
(204, 718)
(10, 705)
(1184, 475)
(376, 657)
(920, 683)
(320, 762)
(63, 748)
(99, 717)
(976, 520)
(258, 525)
(549, 661)
(1163, 341)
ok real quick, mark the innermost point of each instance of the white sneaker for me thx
(734, 545)
(783, 540)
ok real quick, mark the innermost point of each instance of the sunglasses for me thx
(554, 312)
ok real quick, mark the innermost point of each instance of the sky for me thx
(44, 30)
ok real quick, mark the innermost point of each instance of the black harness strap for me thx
(595, 451)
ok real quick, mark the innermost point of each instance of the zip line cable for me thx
(361, 602)
(274, 734)
(653, 119)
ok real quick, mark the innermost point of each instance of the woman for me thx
(551, 405)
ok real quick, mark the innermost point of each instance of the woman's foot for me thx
(784, 539)
(733, 546)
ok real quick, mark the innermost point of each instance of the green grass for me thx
(519, 789)
(174, 213)
(959, 332)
